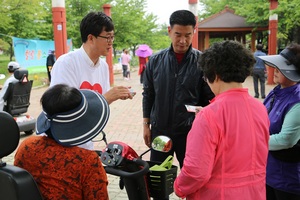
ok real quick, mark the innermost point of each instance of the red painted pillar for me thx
(109, 60)
(272, 46)
(59, 27)
(193, 6)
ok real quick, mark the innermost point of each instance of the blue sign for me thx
(33, 53)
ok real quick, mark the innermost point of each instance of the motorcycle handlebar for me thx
(119, 172)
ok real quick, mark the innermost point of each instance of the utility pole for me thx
(193, 6)
(59, 27)
(272, 43)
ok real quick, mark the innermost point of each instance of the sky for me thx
(164, 8)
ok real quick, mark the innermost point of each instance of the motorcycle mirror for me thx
(162, 143)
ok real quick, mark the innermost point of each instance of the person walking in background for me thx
(125, 63)
(227, 147)
(259, 72)
(283, 105)
(171, 81)
(11, 68)
(83, 68)
(128, 72)
(49, 63)
(61, 169)
(142, 66)
(143, 52)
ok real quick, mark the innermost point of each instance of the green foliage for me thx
(4, 60)
(24, 19)
(33, 19)
(288, 21)
(133, 26)
(75, 11)
(257, 12)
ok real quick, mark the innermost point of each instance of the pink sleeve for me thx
(199, 157)
(177, 191)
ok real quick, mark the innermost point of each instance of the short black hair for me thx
(229, 60)
(60, 98)
(259, 47)
(94, 23)
(183, 17)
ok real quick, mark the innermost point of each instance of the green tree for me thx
(75, 11)
(24, 19)
(288, 21)
(132, 25)
(257, 12)
(33, 19)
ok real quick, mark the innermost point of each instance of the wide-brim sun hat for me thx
(283, 63)
(79, 125)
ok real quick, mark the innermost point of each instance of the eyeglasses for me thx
(108, 38)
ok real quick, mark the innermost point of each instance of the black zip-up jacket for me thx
(169, 86)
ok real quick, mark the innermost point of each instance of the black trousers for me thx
(142, 77)
(274, 194)
(124, 67)
(259, 76)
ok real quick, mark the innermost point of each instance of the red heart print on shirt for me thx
(96, 87)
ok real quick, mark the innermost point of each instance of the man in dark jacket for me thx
(49, 64)
(259, 72)
(171, 81)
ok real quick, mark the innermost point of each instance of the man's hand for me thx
(118, 92)
(197, 110)
(147, 135)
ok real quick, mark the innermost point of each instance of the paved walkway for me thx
(125, 124)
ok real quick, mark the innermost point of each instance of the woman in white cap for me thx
(11, 68)
(61, 169)
(283, 105)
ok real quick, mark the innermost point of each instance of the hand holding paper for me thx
(194, 109)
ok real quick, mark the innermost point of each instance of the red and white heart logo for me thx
(96, 87)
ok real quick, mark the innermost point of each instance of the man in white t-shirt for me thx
(83, 68)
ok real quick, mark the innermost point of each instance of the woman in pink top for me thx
(125, 62)
(227, 147)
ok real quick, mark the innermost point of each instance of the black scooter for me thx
(140, 183)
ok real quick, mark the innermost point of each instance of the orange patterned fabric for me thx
(63, 172)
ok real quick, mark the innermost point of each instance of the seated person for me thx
(11, 67)
(61, 169)
(2, 76)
